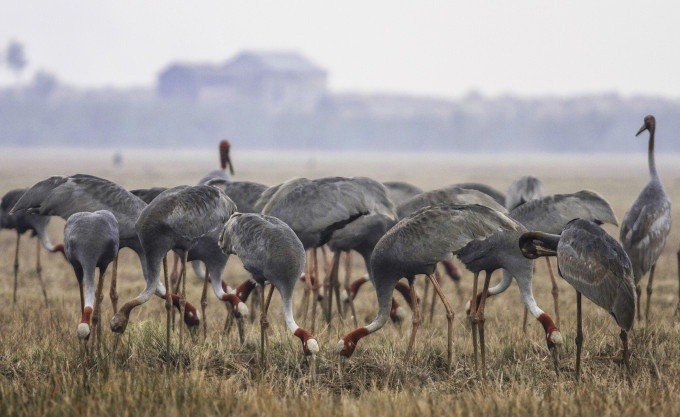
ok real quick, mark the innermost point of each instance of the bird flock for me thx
(282, 235)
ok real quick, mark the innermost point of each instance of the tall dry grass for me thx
(44, 371)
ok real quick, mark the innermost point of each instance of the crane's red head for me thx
(649, 124)
(225, 160)
(347, 344)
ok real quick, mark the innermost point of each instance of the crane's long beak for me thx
(230, 165)
(642, 129)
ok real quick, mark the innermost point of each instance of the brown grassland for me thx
(43, 370)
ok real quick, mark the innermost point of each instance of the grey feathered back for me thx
(448, 195)
(597, 266)
(399, 191)
(267, 247)
(645, 228)
(244, 193)
(64, 196)
(550, 214)
(523, 189)
(191, 212)
(494, 193)
(433, 234)
(148, 194)
(312, 207)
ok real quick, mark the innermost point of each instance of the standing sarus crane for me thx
(597, 266)
(23, 222)
(647, 223)
(225, 162)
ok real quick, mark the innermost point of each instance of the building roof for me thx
(288, 62)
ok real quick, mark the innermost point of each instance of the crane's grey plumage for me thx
(596, 265)
(494, 193)
(521, 190)
(90, 242)
(418, 242)
(148, 194)
(175, 220)
(22, 222)
(647, 222)
(243, 193)
(271, 252)
(399, 191)
(448, 195)
(315, 209)
(206, 249)
(64, 196)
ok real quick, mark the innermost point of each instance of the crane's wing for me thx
(644, 232)
(550, 214)
(244, 194)
(490, 191)
(310, 207)
(399, 192)
(273, 195)
(189, 211)
(64, 196)
(448, 195)
(432, 234)
(148, 194)
(522, 190)
(264, 244)
(597, 266)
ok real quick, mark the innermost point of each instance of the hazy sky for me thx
(441, 48)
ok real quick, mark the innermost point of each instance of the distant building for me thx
(273, 80)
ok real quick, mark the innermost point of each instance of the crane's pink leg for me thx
(473, 317)
(315, 288)
(350, 296)
(16, 269)
(677, 308)
(204, 304)
(97, 314)
(638, 292)
(579, 335)
(416, 319)
(453, 272)
(336, 288)
(481, 319)
(38, 271)
(183, 299)
(434, 294)
(264, 324)
(426, 292)
(649, 293)
(113, 295)
(304, 305)
(168, 306)
(449, 317)
(555, 291)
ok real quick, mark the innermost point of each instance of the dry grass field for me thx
(43, 370)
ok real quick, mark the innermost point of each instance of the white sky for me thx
(440, 48)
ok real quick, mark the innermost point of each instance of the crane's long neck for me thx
(650, 155)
